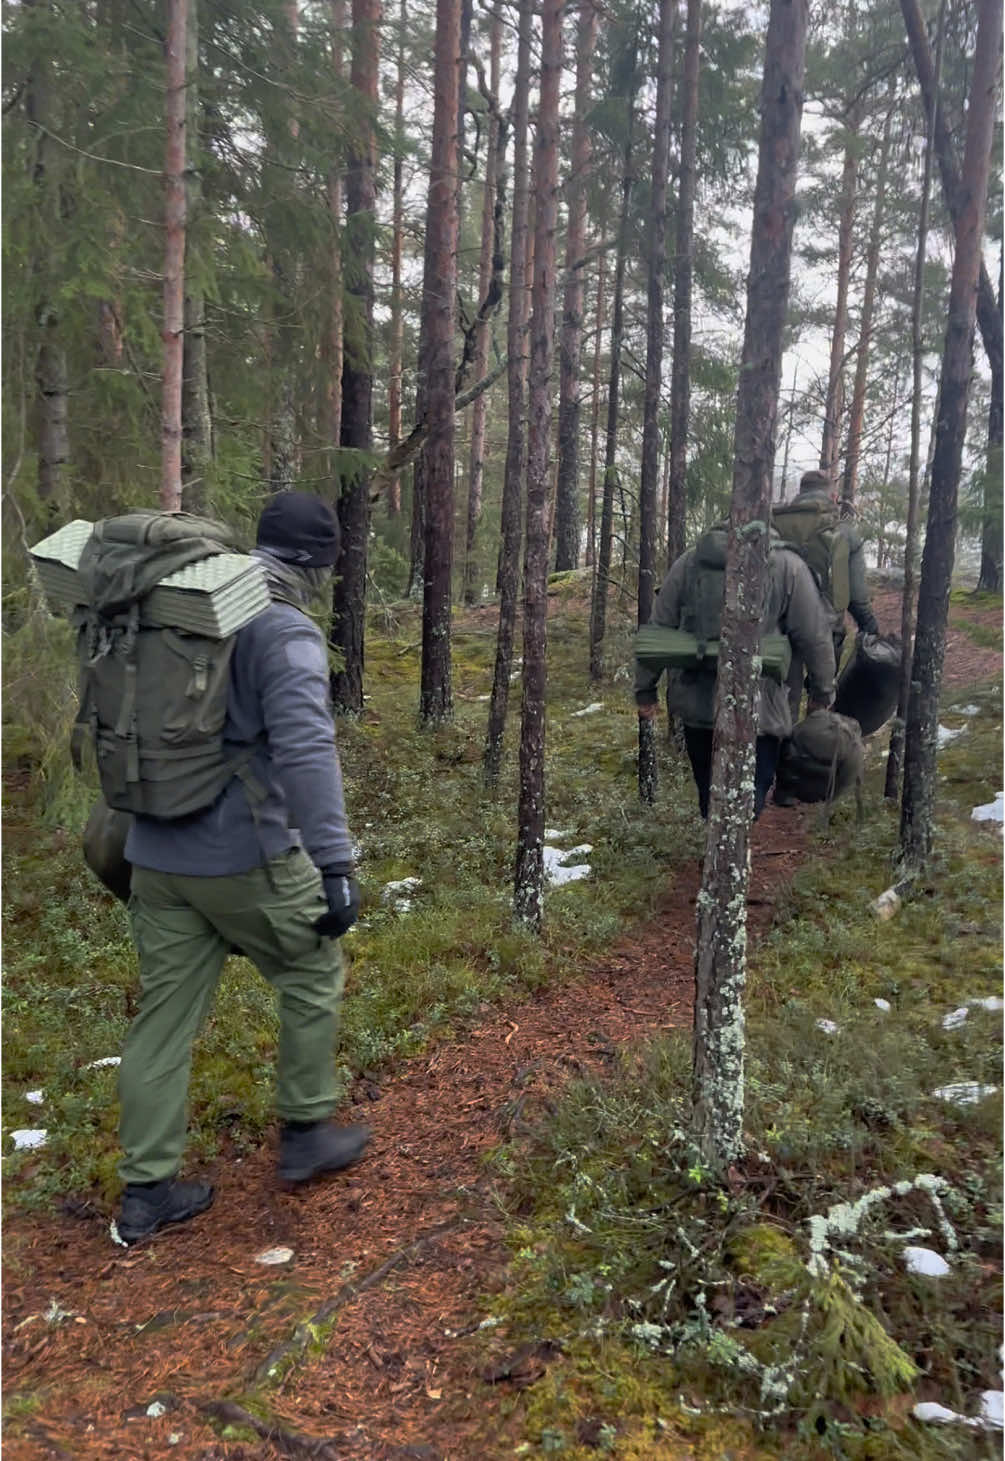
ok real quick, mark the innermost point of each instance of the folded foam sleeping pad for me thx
(659, 648)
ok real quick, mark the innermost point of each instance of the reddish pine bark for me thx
(173, 330)
(680, 378)
(397, 341)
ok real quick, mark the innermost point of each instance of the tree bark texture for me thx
(196, 414)
(846, 226)
(349, 597)
(895, 757)
(601, 579)
(720, 960)
(283, 444)
(598, 337)
(439, 288)
(173, 330)
(990, 580)
(516, 343)
(528, 891)
(918, 805)
(476, 463)
(856, 415)
(656, 268)
(334, 362)
(567, 514)
(680, 376)
(953, 187)
(397, 339)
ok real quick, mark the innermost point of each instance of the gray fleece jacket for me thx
(279, 699)
(793, 607)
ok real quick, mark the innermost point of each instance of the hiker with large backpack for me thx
(832, 548)
(238, 837)
(794, 621)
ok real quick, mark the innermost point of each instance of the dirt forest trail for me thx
(161, 1344)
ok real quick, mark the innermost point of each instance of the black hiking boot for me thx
(307, 1151)
(148, 1207)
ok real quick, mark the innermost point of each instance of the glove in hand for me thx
(342, 892)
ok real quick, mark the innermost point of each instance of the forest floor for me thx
(368, 1340)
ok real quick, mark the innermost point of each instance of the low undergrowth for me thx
(769, 1312)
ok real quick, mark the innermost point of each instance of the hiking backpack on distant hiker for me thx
(696, 641)
(869, 685)
(810, 525)
(823, 758)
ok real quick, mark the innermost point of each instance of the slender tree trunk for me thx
(918, 805)
(720, 960)
(349, 596)
(856, 417)
(439, 290)
(196, 416)
(528, 891)
(680, 377)
(846, 227)
(649, 477)
(988, 314)
(788, 434)
(598, 615)
(516, 344)
(567, 519)
(397, 351)
(334, 345)
(591, 508)
(476, 465)
(990, 580)
(173, 332)
(895, 756)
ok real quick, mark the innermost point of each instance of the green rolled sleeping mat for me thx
(659, 648)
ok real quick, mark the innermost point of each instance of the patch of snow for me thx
(590, 709)
(274, 1256)
(483, 697)
(926, 1262)
(990, 1418)
(403, 885)
(992, 1413)
(944, 734)
(156, 1409)
(886, 905)
(990, 811)
(28, 1137)
(828, 1027)
(883, 1004)
(552, 834)
(967, 710)
(955, 1018)
(938, 1414)
(964, 1093)
(34, 1098)
(555, 870)
(105, 1060)
(991, 1003)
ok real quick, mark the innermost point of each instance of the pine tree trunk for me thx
(720, 960)
(516, 345)
(598, 615)
(988, 314)
(349, 597)
(895, 756)
(856, 416)
(656, 268)
(680, 377)
(591, 505)
(439, 290)
(567, 519)
(528, 890)
(476, 464)
(173, 332)
(918, 805)
(196, 415)
(334, 355)
(846, 225)
(397, 341)
(990, 580)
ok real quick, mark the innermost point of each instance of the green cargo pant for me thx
(183, 928)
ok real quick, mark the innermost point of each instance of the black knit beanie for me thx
(301, 529)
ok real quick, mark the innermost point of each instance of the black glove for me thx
(342, 892)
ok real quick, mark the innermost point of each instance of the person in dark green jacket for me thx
(794, 608)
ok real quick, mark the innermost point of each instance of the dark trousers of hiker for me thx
(698, 740)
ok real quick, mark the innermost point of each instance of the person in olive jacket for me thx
(793, 607)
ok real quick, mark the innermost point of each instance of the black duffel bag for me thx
(105, 848)
(869, 684)
(823, 758)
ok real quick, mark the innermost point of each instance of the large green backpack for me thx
(152, 696)
(695, 643)
(810, 525)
